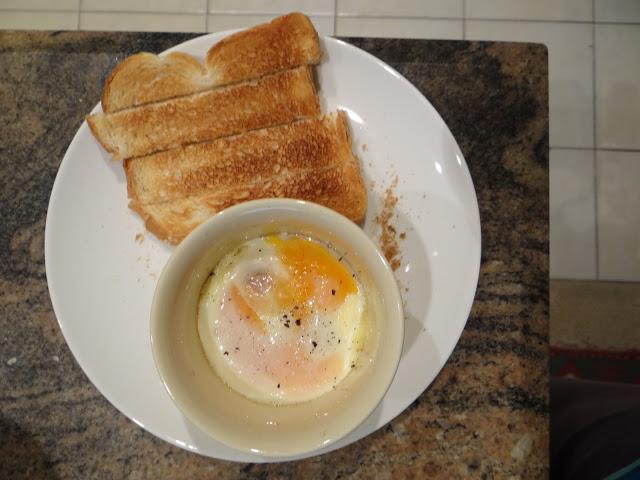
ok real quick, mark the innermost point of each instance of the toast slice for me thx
(176, 190)
(287, 42)
(146, 77)
(272, 100)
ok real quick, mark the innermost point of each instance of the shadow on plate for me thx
(413, 274)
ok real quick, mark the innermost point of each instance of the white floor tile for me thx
(401, 8)
(151, 6)
(619, 215)
(572, 234)
(309, 7)
(618, 86)
(531, 9)
(398, 28)
(38, 20)
(217, 23)
(39, 5)
(142, 22)
(617, 11)
(570, 72)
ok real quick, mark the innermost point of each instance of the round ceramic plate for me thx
(102, 266)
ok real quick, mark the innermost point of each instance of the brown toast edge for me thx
(353, 166)
(106, 89)
(301, 75)
(320, 53)
(123, 65)
(233, 36)
(131, 182)
(94, 131)
(152, 225)
(312, 81)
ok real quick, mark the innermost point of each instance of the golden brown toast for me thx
(176, 190)
(286, 42)
(271, 100)
(146, 77)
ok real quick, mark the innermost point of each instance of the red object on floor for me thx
(592, 364)
(569, 369)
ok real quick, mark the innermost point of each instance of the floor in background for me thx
(595, 315)
(595, 330)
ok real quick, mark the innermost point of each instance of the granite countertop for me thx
(486, 414)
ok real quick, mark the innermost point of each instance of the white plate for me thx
(101, 280)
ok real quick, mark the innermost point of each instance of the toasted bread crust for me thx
(96, 130)
(272, 100)
(287, 42)
(175, 191)
(144, 77)
(162, 230)
(338, 187)
(284, 43)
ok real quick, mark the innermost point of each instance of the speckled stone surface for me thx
(485, 416)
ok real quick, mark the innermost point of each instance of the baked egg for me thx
(282, 319)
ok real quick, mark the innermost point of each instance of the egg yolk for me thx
(317, 279)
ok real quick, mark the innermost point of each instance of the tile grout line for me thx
(502, 20)
(601, 149)
(437, 17)
(464, 19)
(525, 20)
(39, 10)
(328, 14)
(171, 12)
(595, 212)
(335, 18)
(261, 13)
(206, 18)
(595, 144)
(121, 12)
(79, 10)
